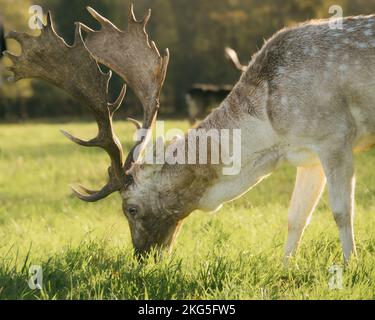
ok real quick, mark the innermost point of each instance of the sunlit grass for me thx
(85, 249)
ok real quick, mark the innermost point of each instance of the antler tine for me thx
(104, 22)
(90, 143)
(137, 124)
(133, 19)
(146, 18)
(113, 107)
(133, 56)
(73, 69)
(93, 196)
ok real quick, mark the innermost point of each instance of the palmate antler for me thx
(131, 55)
(74, 69)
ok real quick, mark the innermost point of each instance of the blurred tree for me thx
(163, 30)
(15, 15)
(195, 31)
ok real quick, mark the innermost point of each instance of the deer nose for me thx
(156, 253)
(140, 255)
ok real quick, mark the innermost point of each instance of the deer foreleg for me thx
(310, 182)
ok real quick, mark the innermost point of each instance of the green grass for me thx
(85, 249)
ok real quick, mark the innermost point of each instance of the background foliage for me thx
(195, 31)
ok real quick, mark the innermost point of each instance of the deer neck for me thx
(259, 155)
(260, 152)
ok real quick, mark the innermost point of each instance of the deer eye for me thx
(132, 210)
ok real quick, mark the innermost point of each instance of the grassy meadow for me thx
(85, 249)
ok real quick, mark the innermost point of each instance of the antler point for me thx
(90, 10)
(98, 17)
(49, 18)
(85, 28)
(132, 14)
(137, 124)
(146, 18)
(116, 105)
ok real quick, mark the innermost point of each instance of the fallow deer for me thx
(307, 98)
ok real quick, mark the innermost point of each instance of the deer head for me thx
(153, 221)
